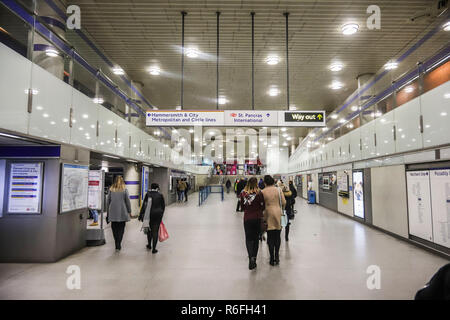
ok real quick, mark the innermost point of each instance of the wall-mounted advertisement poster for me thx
(95, 189)
(144, 181)
(440, 189)
(358, 194)
(342, 181)
(419, 204)
(74, 187)
(25, 188)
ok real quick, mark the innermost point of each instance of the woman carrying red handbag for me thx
(155, 200)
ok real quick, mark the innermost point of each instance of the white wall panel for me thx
(85, 116)
(407, 121)
(436, 115)
(355, 145)
(15, 77)
(51, 106)
(123, 136)
(107, 130)
(384, 127)
(368, 140)
(389, 204)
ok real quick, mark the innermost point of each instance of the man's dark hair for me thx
(154, 186)
(268, 180)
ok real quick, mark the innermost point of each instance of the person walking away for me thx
(261, 184)
(240, 186)
(155, 204)
(294, 195)
(252, 201)
(272, 215)
(188, 187)
(228, 185)
(118, 208)
(178, 190)
(182, 188)
(288, 196)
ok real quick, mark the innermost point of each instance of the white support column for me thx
(132, 179)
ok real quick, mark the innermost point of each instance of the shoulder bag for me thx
(283, 212)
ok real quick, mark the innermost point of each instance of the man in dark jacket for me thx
(294, 195)
(241, 185)
(228, 185)
(157, 208)
(438, 288)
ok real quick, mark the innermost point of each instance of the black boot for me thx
(252, 263)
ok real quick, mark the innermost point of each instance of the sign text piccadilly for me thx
(244, 118)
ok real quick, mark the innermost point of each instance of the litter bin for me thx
(311, 196)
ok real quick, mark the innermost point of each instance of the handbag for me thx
(163, 234)
(146, 219)
(283, 212)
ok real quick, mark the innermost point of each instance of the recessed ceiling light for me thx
(447, 95)
(272, 59)
(350, 125)
(98, 100)
(222, 100)
(391, 65)
(350, 28)
(45, 115)
(284, 135)
(119, 71)
(288, 138)
(312, 135)
(342, 121)
(283, 129)
(273, 92)
(336, 85)
(336, 67)
(409, 89)
(85, 116)
(324, 129)
(354, 108)
(51, 52)
(329, 138)
(191, 130)
(446, 26)
(192, 53)
(334, 116)
(154, 71)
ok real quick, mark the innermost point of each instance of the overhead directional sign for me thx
(231, 118)
(250, 118)
(301, 118)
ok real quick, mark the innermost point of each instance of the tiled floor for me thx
(205, 258)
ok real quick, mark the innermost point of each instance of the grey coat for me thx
(118, 206)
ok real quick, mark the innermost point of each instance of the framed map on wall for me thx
(74, 187)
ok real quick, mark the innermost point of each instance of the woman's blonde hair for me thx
(118, 185)
(252, 185)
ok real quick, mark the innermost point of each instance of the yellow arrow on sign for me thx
(320, 117)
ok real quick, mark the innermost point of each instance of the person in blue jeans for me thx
(94, 214)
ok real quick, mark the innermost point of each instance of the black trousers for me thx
(152, 235)
(238, 207)
(252, 230)
(186, 195)
(274, 242)
(118, 229)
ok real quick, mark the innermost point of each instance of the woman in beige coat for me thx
(272, 216)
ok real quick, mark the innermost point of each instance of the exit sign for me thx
(301, 118)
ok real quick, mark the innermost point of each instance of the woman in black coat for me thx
(157, 208)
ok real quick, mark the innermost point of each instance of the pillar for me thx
(132, 177)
